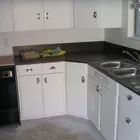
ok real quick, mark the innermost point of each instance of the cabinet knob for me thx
(83, 79)
(52, 68)
(29, 70)
(95, 14)
(38, 16)
(37, 80)
(47, 15)
(98, 88)
(45, 79)
(128, 121)
(129, 97)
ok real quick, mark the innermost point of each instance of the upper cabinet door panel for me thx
(6, 22)
(110, 15)
(85, 13)
(58, 14)
(28, 15)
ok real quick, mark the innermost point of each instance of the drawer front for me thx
(53, 67)
(128, 99)
(29, 69)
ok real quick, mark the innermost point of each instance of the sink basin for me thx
(126, 72)
(115, 64)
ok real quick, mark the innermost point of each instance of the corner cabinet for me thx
(41, 90)
(97, 13)
(103, 103)
(76, 89)
(6, 16)
(129, 115)
(42, 14)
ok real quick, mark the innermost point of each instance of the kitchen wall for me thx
(119, 36)
(7, 40)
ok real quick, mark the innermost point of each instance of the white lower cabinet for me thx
(40, 94)
(76, 80)
(93, 103)
(103, 103)
(31, 97)
(129, 115)
(54, 94)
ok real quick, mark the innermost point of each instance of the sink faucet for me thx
(135, 58)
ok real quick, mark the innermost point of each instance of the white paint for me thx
(47, 37)
(76, 90)
(119, 36)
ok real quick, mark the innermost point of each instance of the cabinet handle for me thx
(95, 14)
(38, 16)
(83, 79)
(52, 68)
(29, 70)
(98, 88)
(37, 80)
(45, 79)
(47, 15)
(128, 121)
(129, 97)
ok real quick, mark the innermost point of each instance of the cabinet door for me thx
(110, 13)
(58, 14)
(54, 94)
(28, 15)
(129, 124)
(6, 23)
(76, 76)
(85, 13)
(129, 115)
(109, 104)
(93, 108)
(31, 97)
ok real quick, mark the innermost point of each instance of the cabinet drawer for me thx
(53, 67)
(128, 99)
(29, 69)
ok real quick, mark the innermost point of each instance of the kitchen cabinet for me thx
(42, 14)
(28, 15)
(109, 110)
(103, 103)
(85, 13)
(54, 94)
(97, 13)
(31, 97)
(41, 90)
(129, 114)
(58, 14)
(76, 89)
(6, 16)
(93, 105)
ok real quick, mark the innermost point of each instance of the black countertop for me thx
(92, 58)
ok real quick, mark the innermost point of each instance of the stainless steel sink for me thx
(115, 64)
(126, 72)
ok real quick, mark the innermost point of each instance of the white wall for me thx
(119, 36)
(7, 40)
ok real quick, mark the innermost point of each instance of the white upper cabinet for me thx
(85, 13)
(28, 15)
(97, 13)
(58, 14)
(6, 21)
(110, 13)
(40, 14)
